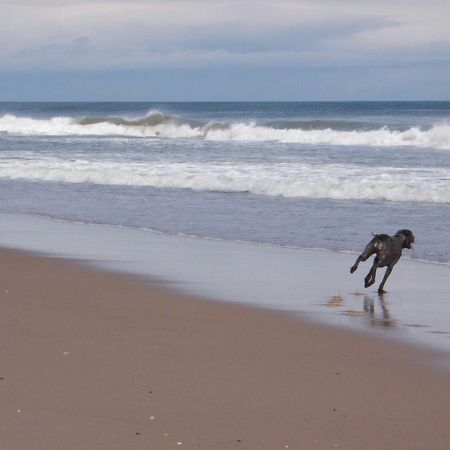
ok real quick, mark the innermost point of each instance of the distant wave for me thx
(153, 119)
(332, 181)
(159, 125)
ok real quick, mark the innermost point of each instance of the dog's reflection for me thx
(381, 317)
(376, 313)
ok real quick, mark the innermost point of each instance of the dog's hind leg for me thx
(361, 257)
(370, 277)
(386, 276)
(367, 253)
(355, 266)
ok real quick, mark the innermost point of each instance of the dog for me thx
(388, 250)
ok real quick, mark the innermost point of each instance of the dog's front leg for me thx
(386, 276)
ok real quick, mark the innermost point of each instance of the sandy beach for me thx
(97, 360)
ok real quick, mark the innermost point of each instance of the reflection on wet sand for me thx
(377, 313)
(372, 311)
(380, 318)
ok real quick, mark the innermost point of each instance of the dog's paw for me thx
(352, 269)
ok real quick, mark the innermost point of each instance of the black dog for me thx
(388, 251)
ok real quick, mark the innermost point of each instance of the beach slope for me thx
(96, 360)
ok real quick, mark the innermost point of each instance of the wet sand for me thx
(96, 360)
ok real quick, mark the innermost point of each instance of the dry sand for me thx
(94, 360)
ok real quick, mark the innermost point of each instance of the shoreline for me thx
(96, 359)
(314, 284)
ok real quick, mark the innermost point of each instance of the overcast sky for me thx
(224, 50)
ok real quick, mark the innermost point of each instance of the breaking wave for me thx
(332, 181)
(159, 125)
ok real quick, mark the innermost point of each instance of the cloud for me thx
(109, 34)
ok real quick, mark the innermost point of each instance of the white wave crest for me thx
(438, 136)
(66, 126)
(333, 181)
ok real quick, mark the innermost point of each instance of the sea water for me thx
(315, 175)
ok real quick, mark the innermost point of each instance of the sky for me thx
(206, 50)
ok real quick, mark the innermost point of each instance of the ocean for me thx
(302, 175)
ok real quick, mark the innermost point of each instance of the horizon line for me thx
(227, 101)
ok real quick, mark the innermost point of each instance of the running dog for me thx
(388, 250)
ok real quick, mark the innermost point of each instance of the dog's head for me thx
(409, 238)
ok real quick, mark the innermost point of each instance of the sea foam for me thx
(295, 180)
